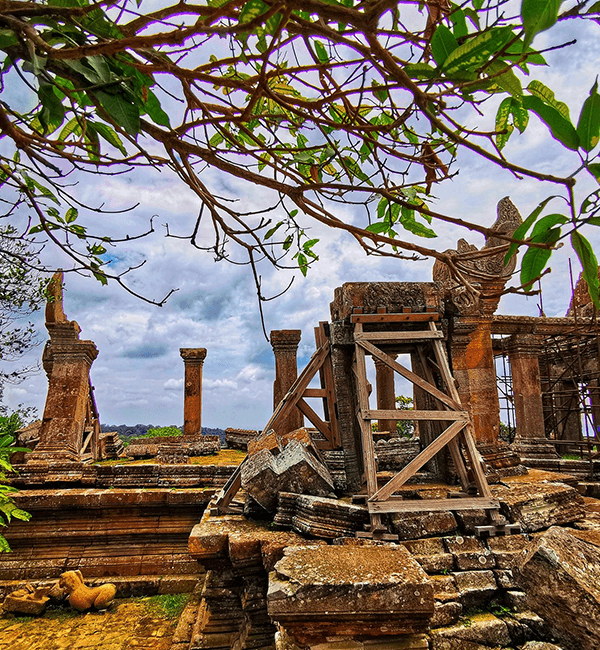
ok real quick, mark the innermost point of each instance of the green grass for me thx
(166, 605)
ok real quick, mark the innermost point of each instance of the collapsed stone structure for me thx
(342, 537)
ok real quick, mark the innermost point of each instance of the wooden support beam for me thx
(399, 414)
(397, 504)
(409, 337)
(306, 410)
(415, 464)
(393, 318)
(315, 392)
(411, 376)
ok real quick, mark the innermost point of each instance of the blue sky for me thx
(138, 373)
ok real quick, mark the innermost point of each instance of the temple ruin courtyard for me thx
(330, 529)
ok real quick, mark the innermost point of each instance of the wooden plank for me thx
(416, 463)
(432, 505)
(229, 490)
(411, 376)
(400, 336)
(315, 392)
(399, 414)
(323, 427)
(393, 318)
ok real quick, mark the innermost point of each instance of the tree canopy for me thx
(321, 102)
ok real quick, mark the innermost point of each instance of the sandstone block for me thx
(431, 554)
(294, 469)
(349, 591)
(537, 506)
(27, 601)
(414, 525)
(506, 550)
(444, 588)
(561, 576)
(505, 579)
(469, 553)
(446, 614)
(475, 587)
(483, 629)
(540, 645)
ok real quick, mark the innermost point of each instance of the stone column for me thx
(474, 370)
(386, 393)
(285, 348)
(530, 441)
(193, 359)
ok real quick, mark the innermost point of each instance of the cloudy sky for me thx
(138, 374)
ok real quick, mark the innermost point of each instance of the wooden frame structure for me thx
(406, 330)
(320, 362)
(422, 337)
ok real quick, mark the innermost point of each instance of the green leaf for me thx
(7, 38)
(124, 113)
(419, 71)
(53, 112)
(99, 64)
(594, 170)
(588, 126)
(321, 52)
(589, 264)
(443, 43)
(407, 219)
(111, 136)
(542, 91)
(523, 229)
(537, 16)
(560, 127)
(71, 215)
(378, 227)
(273, 230)
(72, 126)
(546, 223)
(535, 259)
(457, 16)
(477, 50)
(155, 111)
(502, 124)
(508, 80)
(252, 10)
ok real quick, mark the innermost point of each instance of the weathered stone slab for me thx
(431, 554)
(414, 525)
(319, 516)
(475, 587)
(395, 453)
(507, 550)
(540, 505)
(483, 629)
(469, 553)
(349, 591)
(239, 438)
(294, 469)
(561, 576)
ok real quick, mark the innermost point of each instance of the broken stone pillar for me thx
(285, 348)
(70, 418)
(530, 441)
(386, 393)
(193, 359)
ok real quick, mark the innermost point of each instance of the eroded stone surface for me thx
(561, 576)
(294, 469)
(540, 505)
(413, 525)
(349, 591)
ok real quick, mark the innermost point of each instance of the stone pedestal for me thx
(193, 359)
(386, 394)
(530, 441)
(285, 348)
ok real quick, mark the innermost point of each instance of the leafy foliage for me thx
(319, 102)
(9, 424)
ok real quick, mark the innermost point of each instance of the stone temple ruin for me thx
(332, 533)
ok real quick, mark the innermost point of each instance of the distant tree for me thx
(324, 103)
(21, 293)
(159, 432)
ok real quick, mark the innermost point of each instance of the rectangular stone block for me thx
(349, 591)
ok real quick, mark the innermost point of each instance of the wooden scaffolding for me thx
(380, 336)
